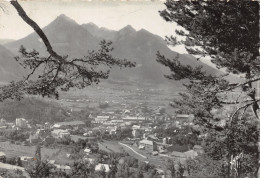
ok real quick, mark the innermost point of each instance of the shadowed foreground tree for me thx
(83, 169)
(37, 167)
(227, 33)
(58, 72)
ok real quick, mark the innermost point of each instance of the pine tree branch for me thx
(233, 102)
(243, 107)
(35, 68)
(236, 85)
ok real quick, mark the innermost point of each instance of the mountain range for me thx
(9, 67)
(69, 38)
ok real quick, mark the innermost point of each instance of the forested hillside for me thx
(36, 110)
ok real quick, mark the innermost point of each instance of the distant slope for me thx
(9, 68)
(65, 35)
(68, 37)
(142, 46)
(102, 33)
(33, 109)
(4, 41)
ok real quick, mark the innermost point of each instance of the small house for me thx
(34, 139)
(148, 145)
(155, 153)
(102, 167)
(198, 149)
(87, 151)
(2, 156)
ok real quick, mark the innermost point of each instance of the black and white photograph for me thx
(129, 89)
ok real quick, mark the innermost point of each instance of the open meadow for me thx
(110, 146)
(13, 150)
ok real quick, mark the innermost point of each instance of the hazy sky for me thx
(113, 15)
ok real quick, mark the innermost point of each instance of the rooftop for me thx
(70, 123)
(102, 117)
(146, 142)
(87, 150)
(198, 147)
(57, 131)
(77, 137)
(101, 167)
(134, 118)
(191, 154)
(178, 154)
(184, 116)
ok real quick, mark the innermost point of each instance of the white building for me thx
(90, 160)
(138, 119)
(21, 122)
(117, 121)
(134, 127)
(68, 124)
(102, 167)
(109, 123)
(2, 121)
(136, 133)
(185, 117)
(59, 133)
(87, 151)
(101, 119)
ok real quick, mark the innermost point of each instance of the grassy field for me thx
(116, 95)
(110, 146)
(13, 150)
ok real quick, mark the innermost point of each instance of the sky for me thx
(112, 15)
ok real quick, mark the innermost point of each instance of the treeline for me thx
(37, 111)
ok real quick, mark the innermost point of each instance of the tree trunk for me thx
(258, 126)
(36, 28)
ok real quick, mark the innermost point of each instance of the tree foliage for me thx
(227, 33)
(39, 169)
(204, 166)
(83, 169)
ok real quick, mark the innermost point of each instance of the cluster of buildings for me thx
(126, 118)
(109, 122)
(160, 148)
(48, 133)
(20, 123)
(113, 121)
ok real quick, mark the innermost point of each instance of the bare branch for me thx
(36, 28)
(234, 102)
(243, 107)
(236, 85)
(35, 68)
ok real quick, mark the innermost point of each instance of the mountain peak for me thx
(63, 17)
(128, 28)
(91, 24)
(91, 27)
(144, 31)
